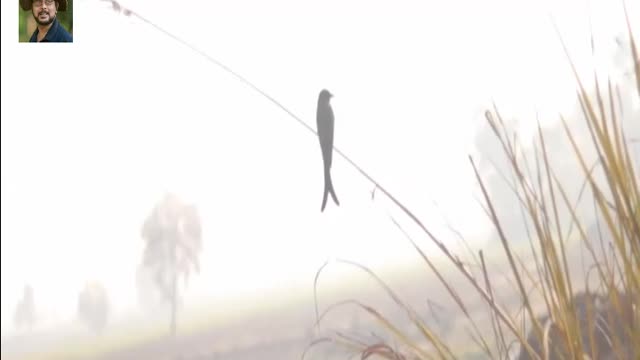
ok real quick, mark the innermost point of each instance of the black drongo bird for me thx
(325, 121)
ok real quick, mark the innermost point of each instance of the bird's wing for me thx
(325, 131)
(330, 127)
(325, 124)
(320, 120)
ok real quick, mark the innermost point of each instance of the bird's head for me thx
(325, 95)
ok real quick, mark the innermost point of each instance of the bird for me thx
(325, 123)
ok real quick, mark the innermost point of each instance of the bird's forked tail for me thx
(328, 189)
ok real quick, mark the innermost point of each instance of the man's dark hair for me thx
(27, 4)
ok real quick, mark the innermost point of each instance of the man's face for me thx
(44, 11)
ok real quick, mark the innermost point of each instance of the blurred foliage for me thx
(172, 225)
(27, 24)
(93, 306)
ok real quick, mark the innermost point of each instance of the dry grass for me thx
(579, 321)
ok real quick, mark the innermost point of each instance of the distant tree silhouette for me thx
(173, 238)
(24, 317)
(93, 307)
